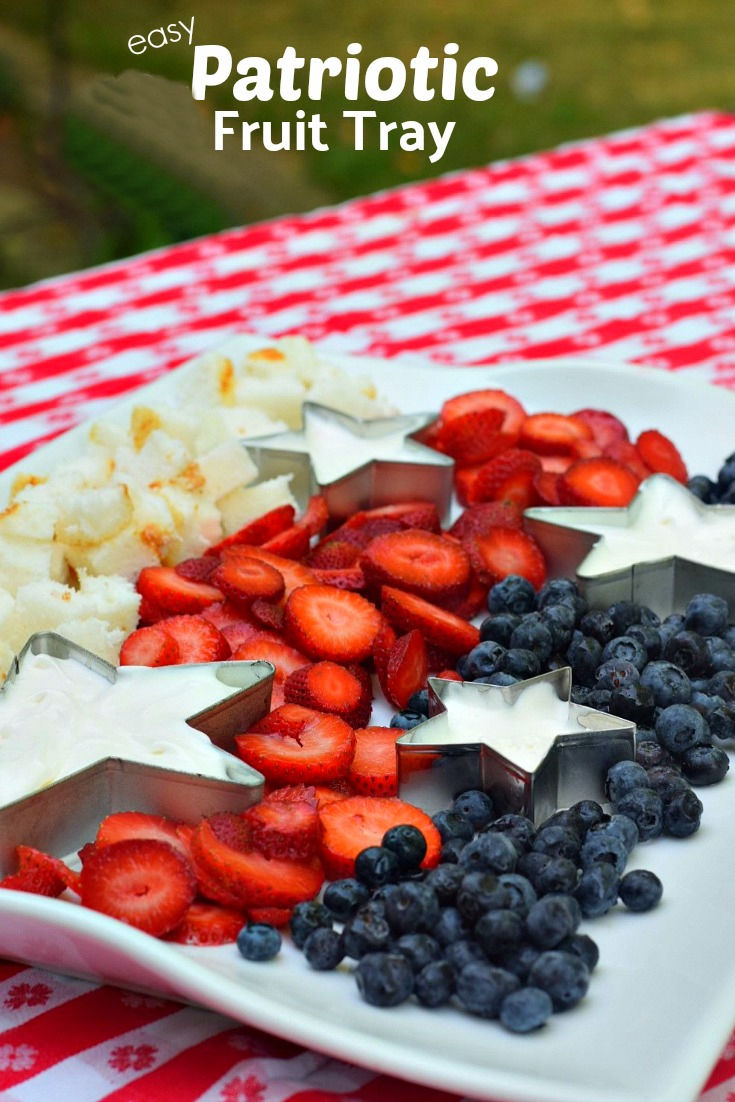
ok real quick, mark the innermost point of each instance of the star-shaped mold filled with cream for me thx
(659, 551)
(526, 745)
(357, 464)
(80, 739)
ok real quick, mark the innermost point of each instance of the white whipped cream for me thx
(523, 732)
(664, 521)
(57, 717)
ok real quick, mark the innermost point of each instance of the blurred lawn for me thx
(610, 64)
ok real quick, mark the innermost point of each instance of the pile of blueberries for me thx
(675, 678)
(719, 491)
(493, 928)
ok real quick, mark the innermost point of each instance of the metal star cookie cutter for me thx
(380, 462)
(532, 778)
(63, 816)
(570, 538)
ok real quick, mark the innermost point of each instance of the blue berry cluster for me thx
(674, 678)
(493, 928)
(718, 491)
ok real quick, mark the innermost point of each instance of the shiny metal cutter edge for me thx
(573, 769)
(666, 585)
(59, 819)
(428, 477)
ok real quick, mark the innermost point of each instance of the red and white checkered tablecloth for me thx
(621, 247)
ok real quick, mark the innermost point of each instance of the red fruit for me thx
(250, 877)
(197, 570)
(473, 437)
(473, 400)
(149, 612)
(625, 453)
(272, 916)
(149, 646)
(268, 615)
(406, 669)
(508, 477)
(448, 675)
(316, 515)
(291, 544)
(546, 484)
(259, 530)
(489, 514)
(235, 623)
(374, 768)
(556, 464)
(329, 687)
(374, 526)
(406, 611)
(208, 924)
(140, 881)
(419, 562)
(285, 824)
(121, 825)
(597, 482)
(605, 427)
(503, 551)
(332, 554)
(293, 573)
(410, 514)
(243, 580)
(331, 623)
(198, 640)
(172, 593)
(350, 578)
(268, 649)
(349, 826)
(661, 455)
(319, 750)
(586, 449)
(382, 645)
(549, 433)
(42, 874)
(473, 601)
(330, 793)
(464, 484)
(438, 658)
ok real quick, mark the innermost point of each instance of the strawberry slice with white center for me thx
(122, 825)
(294, 745)
(443, 629)
(349, 826)
(197, 639)
(168, 591)
(600, 481)
(208, 924)
(285, 823)
(243, 580)
(149, 646)
(294, 574)
(329, 687)
(420, 562)
(374, 768)
(502, 551)
(473, 400)
(331, 623)
(141, 881)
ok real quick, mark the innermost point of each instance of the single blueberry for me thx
(344, 897)
(521, 664)
(483, 660)
(583, 655)
(703, 488)
(307, 917)
(624, 828)
(376, 865)
(623, 614)
(499, 629)
(563, 976)
(480, 892)
(633, 701)
(525, 1010)
(418, 949)
(324, 949)
(585, 814)
(452, 824)
(534, 635)
(513, 594)
(666, 779)
(598, 624)
(445, 880)
(640, 890)
(410, 907)
(615, 673)
(434, 984)
(560, 875)
(706, 614)
(648, 753)
(474, 805)
(497, 932)
(490, 851)
(557, 841)
(384, 979)
(259, 941)
(688, 651)
(582, 946)
(407, 720)
(519, 827)
(705, 764)
(723, 684)
(481, 988)
(532, 863)
(407, 843)
(365, 932)
(604, 845)
(552, 918)
(679, 727)
(597, 890)
(682, 813)
(649, 637)
(624, 648)
(519, 892)
(419, 702)
(559, 619)
(622, 777)
(645, 808)
(667, 682)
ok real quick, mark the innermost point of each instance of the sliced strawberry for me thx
(330, 793)
(508, 477)
(374, 768)
(419, 562)
(250, 877)
(556, 464)
(259, 530)
(409, 514)
(546, 484)
(489, 514)
(243, 580)
(473, 601)
(661, 455)
(316, 515)
(605, 426)
(625, 453)
(149, 646)
(272, 916)
(35, 882)
(294, 574)
(464, 484)
(149, 612)
(597, 482)
(406, 669)
(121, 825)
(473, 437)
(285, 824)
(198, 640)
(331, 623)
(503, 551)
(320, 750)
(382, 646)
(438, 658)
(208, 924)
(333, 554)
(140, 881)
(586, 449)
(329, 687)
(407, 611)
(550, 433)
(268, 614)
(351, 578)
(291, 544)
(269, 649)
(42, 870)
(197, 570)
(473, 400)
(236, 624)
(429, 436)
(448, 675)
(172, 593)
(349, 826)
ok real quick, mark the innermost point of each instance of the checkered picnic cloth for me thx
(622, 248)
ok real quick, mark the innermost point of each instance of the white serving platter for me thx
(662, 1000)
